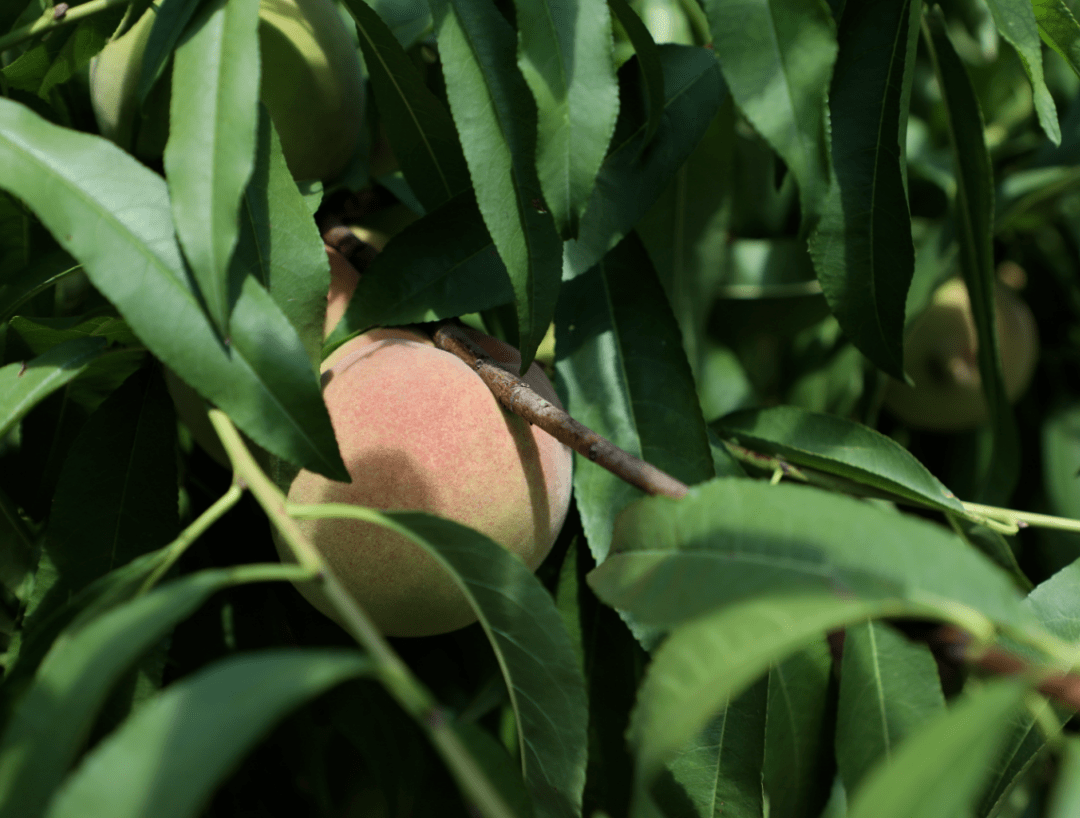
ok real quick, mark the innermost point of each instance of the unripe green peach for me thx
(941, 356)
(311, 84)
(419, 430)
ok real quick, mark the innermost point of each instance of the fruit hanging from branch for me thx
(311, 84)
(419, 430)
(941, 356)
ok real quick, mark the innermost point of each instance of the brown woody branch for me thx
(518, 397)
(1061, 687)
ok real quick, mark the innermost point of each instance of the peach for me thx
(311, 83)
(419, 430)
(941, 355)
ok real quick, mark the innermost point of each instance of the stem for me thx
(177, 547)
(391, 670)
(47, 21)
(1022, 519)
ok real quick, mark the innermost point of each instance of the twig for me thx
(359, 253)
(518, 397)
(1062, 687)
(50, 20)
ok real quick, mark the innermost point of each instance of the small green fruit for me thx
(311, 84)
(941, 356)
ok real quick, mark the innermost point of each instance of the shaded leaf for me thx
(440, 266)
(419, 128)
(798, 765)
(889, 686)
(53, 717)
(862, 246)
(974, 218)
(708, 660)
(26, 383)
(1065, 797)
(115, 498)
(652, 69)
(938, 771)
(632, 178)
(777, 60)
(720, 771)
(115, 588)
(179, 730)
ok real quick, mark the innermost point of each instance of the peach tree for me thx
(719, 227)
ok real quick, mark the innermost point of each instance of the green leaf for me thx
(1065, 796)
(889, 686)
(1059, 29)
(798, 765)
(1015, 20)
(541, 670)
(974, 217)
(280, 244)
(112, 214)
(41, 334)
(180, 730)
(115, 588)
(116, 495)
(632, 178)
(652, 69)
(732, 538)
(619, 349)
(53, 717)
(57, 59)
(170, 23)
(686, 231)
(497, 124)
(862, 247)
(777, 57)
(419, 128)
(1054, 603)
(1061, 460)
(720, 770)
(840, 447)
(708, 660)
(442, 265)
(938, 771)
(565, 53)
(208, 158)
(25, 278)
(26, 383)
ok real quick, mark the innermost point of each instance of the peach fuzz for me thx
(419, 430)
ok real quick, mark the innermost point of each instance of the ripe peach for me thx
(941, 354)
(419, 430)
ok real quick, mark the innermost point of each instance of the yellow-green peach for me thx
(941, 356)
